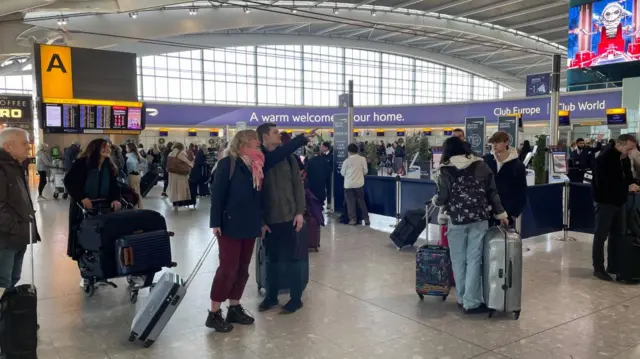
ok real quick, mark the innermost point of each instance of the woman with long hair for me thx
(467, 191)
(236, 219)
(179, 167)
(92, 177)
(134, 169)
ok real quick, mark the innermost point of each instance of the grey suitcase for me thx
(502, 279)
(164, 299)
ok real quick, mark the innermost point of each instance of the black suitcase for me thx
(148, 181)
(143, 253)
(299, 267)
(193, 189)
(19, 319)
(408, 230)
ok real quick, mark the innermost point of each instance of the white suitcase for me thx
(502, 279)
(164, 299)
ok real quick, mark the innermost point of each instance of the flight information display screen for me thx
(119, 117)
(74, 118)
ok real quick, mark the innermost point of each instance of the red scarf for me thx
(254, 159)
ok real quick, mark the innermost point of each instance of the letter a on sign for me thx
(56, 72)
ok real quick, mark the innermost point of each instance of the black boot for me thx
(237, 314)
(602, 275)
(267, 304)
(292, 306)
(216, 322)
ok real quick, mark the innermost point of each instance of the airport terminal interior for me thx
(407, 74)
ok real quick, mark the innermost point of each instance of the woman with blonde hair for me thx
(236, 219)
(178, 167)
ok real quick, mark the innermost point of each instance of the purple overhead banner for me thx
(582, 106)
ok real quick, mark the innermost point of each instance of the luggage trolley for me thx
(57, 174)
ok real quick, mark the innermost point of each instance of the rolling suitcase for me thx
(313, 231)
(433, 267)
(408, 230)
(19, 317)
(163, 301)
(502, 279)
(143, 253)
(148, 181)
(299, 268)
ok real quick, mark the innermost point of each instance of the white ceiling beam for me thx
(486, 53)
(412, 39)
(294, 28)
(532, 65)
(547, 63)
(329, 29)
(447, 6)
(254, 29)
(510, 59)
(406, 3)
(540, 21)
(488, 8)
(358, 32)
(365, 2)
(549, 31)
(385, 36)
(526, 11)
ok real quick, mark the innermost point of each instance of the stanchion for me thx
(565, 215)
(332, 205)
(398, 201)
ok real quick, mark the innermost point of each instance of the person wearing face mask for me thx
(611, 185)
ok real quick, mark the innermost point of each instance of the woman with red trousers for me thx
(236, 219)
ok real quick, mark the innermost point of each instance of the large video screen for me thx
(602, 33)
(70, 118)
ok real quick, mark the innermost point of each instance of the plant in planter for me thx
(539, 160)
(371, 154)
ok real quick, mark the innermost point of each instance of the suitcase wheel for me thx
(65, 196)
(516, 315)
(491, 311)
(148, 343)
(133, 297)
(89, 289)
(55, 195)
(421, 296)
(444, 298)
(132, 337)
(130, 281)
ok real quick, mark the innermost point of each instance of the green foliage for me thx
(417, 143)
(539, 160)
(371, 154)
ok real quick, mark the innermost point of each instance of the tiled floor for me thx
(360, 303)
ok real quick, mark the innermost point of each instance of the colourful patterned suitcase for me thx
(433, 267)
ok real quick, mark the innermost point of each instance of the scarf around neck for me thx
(254, 159)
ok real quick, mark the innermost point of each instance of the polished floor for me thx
(360, 303)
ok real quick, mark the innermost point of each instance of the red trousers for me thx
(233, 271)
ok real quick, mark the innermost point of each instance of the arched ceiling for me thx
(501, 39)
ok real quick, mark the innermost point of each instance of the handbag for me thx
(177, 166)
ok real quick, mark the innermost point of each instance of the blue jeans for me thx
(466, 248)
(11, 266)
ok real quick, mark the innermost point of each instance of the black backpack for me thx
(468, 199)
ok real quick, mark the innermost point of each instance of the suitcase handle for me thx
(125, 257)
(510, 269)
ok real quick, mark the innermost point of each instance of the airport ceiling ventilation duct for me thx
(13, 6)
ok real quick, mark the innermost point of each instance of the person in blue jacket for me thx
(510, 175)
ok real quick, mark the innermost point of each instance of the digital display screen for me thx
(54, 115)
(192, 134)
(214, 134)
(564, 121)
(617, 119)
(88, 117)
(602, 33)
(119, 117)
(380, 134)
(400, 133)
(70, 116)
(134, 118)
(103, 117)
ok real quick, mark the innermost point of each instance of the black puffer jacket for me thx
(16, 207)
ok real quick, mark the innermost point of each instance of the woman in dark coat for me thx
(317, 175)
(92, 177)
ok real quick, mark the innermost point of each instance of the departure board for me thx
(54, 115)
(70, 116)
(88, 117)
(119, 117)
(103, 116)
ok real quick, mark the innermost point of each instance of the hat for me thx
(108, 139)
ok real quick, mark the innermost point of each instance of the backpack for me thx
(468, 201)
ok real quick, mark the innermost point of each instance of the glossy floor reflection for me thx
(360, 303)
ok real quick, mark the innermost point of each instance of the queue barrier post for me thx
(398, 200)
(565, 215)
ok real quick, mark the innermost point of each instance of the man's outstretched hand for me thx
(311, 134)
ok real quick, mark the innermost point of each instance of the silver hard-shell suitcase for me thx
(164, 299)
(503, 271)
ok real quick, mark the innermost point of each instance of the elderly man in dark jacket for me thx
(70, 155)
(16, 208)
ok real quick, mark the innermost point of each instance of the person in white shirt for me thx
(353, 170)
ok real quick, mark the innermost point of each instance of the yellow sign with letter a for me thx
(56, 71)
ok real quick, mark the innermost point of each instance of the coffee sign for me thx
(17, 111)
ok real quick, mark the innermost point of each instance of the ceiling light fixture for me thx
(193, 11)
(373, 13)
(246, 10)
(133, 15)
(294, 11)
(62, 21)
(336, 11)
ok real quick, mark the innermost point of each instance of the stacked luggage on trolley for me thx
(57, 178)
(132, 244)
(502, 262)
